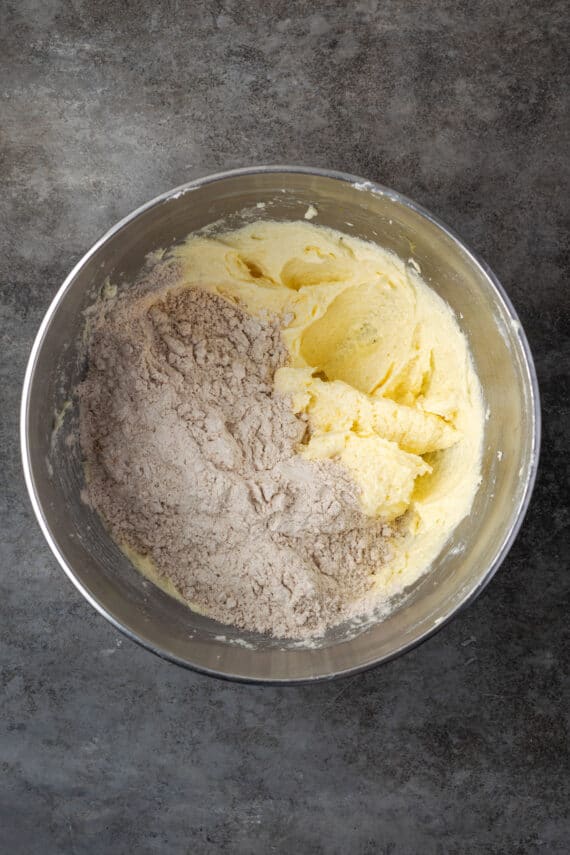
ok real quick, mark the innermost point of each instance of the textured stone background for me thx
(459, 747)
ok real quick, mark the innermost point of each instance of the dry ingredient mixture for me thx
(193, 450)
(192, 461)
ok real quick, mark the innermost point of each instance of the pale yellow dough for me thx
(377, 363)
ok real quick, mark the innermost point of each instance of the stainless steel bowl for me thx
(53, 468)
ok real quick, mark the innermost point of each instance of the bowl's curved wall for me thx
(53, 467)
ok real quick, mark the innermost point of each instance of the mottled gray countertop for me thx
(458, 747)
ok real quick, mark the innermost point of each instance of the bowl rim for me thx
(361, 184)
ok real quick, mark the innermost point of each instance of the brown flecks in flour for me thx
(192, 462)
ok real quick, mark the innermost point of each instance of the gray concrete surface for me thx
(460, 746)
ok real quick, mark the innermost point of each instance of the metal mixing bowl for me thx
(53, 469)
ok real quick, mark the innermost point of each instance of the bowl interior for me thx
(53, 464)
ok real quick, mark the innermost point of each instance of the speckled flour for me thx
(191, 460)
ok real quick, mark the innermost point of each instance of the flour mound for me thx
(192, 462)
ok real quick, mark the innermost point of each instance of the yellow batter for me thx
(377, 363)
